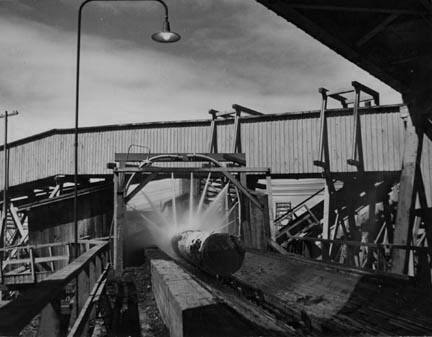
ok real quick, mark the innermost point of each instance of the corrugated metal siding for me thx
(291, 145)
(286, 143)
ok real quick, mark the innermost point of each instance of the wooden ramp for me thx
(330, 300)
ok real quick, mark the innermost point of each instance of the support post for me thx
(270, 207)
(119, 222)
(323, 152)
(357, 150)
(237, 134)
(5, 115)
(32, 265)
(328, 218)
(213, 148)
(406, 199)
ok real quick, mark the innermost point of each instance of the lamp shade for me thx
(166, 35)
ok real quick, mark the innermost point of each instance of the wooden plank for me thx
(190, 309)
(51, 259)
(406, 200)
(76, 329)
(119, 223)
(270, 207)
(73, 268)
(241, 108)
(32, 265)
(15, 261)
(277, 247)
(17, 220)
(175, 293)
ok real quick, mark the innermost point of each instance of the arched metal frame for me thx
(157, 158)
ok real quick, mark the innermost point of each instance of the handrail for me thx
(19, 312)
(298, 205)
(54, 244)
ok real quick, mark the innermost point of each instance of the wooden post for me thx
(213, 147)
(328, 218)
(1, 272)
(119, 223)
(406, 200)
(237, 133)
(270, 207)
(50, 253)
(32, 265)
(68, 252)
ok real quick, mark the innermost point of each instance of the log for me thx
(216, 253)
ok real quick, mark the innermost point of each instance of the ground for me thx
(135, 316)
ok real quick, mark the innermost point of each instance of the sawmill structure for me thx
(356, 261)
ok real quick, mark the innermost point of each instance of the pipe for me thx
(216, 253)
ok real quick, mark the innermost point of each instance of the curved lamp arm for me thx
(87, 1)
(160, 38)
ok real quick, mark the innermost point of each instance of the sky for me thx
(231, 51)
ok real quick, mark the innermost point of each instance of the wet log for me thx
(216, 253)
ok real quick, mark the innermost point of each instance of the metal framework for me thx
(139, 169)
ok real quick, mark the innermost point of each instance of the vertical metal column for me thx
(6, 174)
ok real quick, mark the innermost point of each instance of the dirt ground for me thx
(151, 323)
(129, 307)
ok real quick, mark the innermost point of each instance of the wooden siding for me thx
(287, 143)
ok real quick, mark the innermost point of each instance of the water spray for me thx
(194, 232)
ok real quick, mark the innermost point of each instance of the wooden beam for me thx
(348, 8)
(141, 185)
(270, 207)
(237, 134)
(277, 247)
(406, 200)
(17, 220)
(363, 88)
(66, 196)
(378, 28)
(243, 189)
(119, 221)
(240, 108)
(76, 329)
(324, 35)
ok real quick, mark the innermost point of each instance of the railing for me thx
(373, 257)
(65, 300)
(292, 211)
(34, 263)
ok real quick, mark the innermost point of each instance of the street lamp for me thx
(164, 36)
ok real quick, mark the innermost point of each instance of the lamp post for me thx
(164, 36)
(5, 205)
